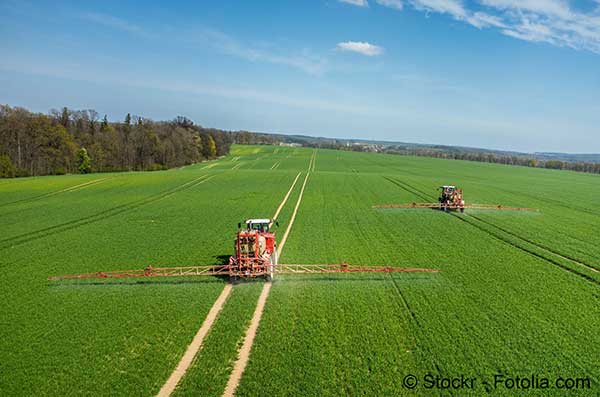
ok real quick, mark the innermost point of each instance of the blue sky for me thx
(505, 74)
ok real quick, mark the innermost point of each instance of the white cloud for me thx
(457, 10)
(303, 60)
(454, 8)
(549, 21)
(360, 47)
(482, 20)
(359, 3)
(558, 8)
(396, 4)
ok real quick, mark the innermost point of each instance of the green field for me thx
(518, 293)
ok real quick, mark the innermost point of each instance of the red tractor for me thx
(255, 250)
(451, 199)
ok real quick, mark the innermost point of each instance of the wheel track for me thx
(542, 246)
(243, 357)
(196, 344)
(555, 202)
(532, 252)
(403, 186)
(244, 353)
(50, 194)
(405, 306)
(109, 213)
(525, 239)
(466, 218)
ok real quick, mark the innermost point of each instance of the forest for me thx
(79, 141)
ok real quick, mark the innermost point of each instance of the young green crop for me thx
(494, 308)
(507, 299)
(118, 337)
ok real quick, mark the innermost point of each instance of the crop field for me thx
(517, 295)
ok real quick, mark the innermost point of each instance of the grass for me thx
(516, 295)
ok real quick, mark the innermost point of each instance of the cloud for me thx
(359, 3)
(482, 20)
(457, 10)
(304, 60)
(93, 74)
(360, 47)
(397, 4)
(557, 8)
(454, 8)
(550, 21)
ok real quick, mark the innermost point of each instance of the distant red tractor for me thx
(255, 250)
(451, 199)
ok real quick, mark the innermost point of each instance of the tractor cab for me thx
(261, 225)
(448, 189)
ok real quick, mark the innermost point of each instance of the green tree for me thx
(127, 124)
(212, 147)
(64, 117)
(104, 125)
(7, 168)
(84, 163)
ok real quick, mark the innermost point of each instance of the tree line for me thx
(73, 141)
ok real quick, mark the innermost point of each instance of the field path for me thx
(196, 344)
(244, 354)
(285, 199)
(289, 228)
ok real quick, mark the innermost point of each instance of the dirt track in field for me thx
(196, 344)
(289, 228)
(285, 199)
(244, 353)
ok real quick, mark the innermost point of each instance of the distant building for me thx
(289, 144)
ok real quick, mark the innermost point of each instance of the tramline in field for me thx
(451, 199)
(255, 255)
